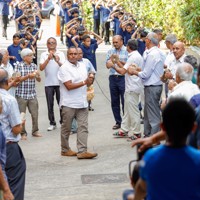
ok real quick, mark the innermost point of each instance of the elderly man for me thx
(50, 61)
(11, 127)
(150, 75)
(117, 56)
(73, 77)
(26, 91)
(134, 87)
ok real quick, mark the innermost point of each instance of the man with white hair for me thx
(153, 69)
(26, 92)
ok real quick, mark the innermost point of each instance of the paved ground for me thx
(53, 177)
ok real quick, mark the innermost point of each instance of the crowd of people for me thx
(144, 83)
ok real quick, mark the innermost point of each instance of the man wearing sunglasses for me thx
(50, 62)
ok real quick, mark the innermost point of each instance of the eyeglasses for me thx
(51, 43)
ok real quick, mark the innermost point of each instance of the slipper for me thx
(36, 135)
(120, 134)
(134, 137)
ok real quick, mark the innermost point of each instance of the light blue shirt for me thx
(10, 116)
(88, 65)
(123, 56)
(153, 67)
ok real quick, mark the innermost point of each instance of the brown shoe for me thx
(86, 155)
(69, 153)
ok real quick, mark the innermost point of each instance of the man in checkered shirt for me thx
(26, 92)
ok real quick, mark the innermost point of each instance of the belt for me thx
(117, 76)
(11, 142)
(152, 85)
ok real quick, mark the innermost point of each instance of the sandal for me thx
(120, 134)
(134, 137)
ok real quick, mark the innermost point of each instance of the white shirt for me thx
(169, 59)
(185, 89)
(133, 83)
(76, 98)
(52, 67)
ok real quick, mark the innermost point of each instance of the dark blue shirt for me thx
(18, 12)
(14, 51)
(4, 7)
(96, 12)
(127, 36)
(89, 53)
(117, 29)
(67, 17)
(141, 46)
(104, 14)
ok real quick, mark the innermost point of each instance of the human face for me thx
(117, 42)
(178, 49)
(128, 29)
(72, 55)
(28, 59)
(74, 31)
(160, 35)
(51, 44)
(16, 41)
(80, 54)
(5, 58)
(87, 42)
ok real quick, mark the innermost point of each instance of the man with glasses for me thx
(50, 62)
(74, 79)
(26, 91)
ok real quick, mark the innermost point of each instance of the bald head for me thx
(178, 49)
(184, 72)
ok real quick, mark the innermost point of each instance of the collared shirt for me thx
(26, 89)
(185, 89)
(123, 56)
(76, 98)
(10, 116)
(173, 65)
(4, 7)
(133, 83)
(52, 68)
(88, 65)
(169, 59)
(153, 66)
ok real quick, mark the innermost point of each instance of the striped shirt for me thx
(10, 116)
(26, 89)
(123, 56)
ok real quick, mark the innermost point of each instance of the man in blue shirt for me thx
(4, 12)
(172, 171)
(153, 69)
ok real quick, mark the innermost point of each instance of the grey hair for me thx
(153, 37)
(171, 38)
(185, 71)
(3, 51)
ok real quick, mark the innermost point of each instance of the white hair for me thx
(185, 71)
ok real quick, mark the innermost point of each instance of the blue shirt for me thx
(104, 14)
(153, 67)
(123, 56)
(96, 12)
(3, 151)
(89, 53)
(117, 29)
(67, 17)
(171, 173)
(141, 46)
(88, 65)
(127, 35)
(10, 116)
(4, 7)
(14, 51)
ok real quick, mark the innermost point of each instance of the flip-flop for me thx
(120, 134)
(134, 137)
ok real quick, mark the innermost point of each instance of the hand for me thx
(7, 195)
(56, 58)
(171, 84)
(50, 56)
(109, 64)
(145, 143)
(90, 80)
(132, 70)
(168, 74)
(32, 75)
(114, 58)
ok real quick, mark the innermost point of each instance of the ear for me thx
(194, 127)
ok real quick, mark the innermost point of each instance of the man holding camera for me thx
(74, 79)
(50, 62)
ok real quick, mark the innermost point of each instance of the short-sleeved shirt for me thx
(104, 14)
(171, 173)
(76, 98)
(127, 35)
(52, 68)
(123, 56)
(4, 7)
(88, 65)
(117, 29)
(96, 12)
(141, 46)
(14, 51)
(26, 89)
(10, 116)
(89, 53)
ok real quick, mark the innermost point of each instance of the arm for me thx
(140, 190)
(99, 39)
(71, 86)
(17, 129)
(74, 41)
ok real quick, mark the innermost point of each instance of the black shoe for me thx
(91, 109)
(116, 126)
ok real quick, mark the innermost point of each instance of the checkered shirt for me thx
(26, 89)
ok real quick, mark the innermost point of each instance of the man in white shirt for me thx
(74, 79)
(133, 88)
(50, 61)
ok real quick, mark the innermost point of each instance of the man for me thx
(11, 127)
(116, 80)
(26, 91)
(4, 12)
(152, 71)
(50, 62)
(165, 169)
(134, 87)
(73, 78)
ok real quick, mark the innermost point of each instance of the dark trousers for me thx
(117, 89)
(62, 24)
(96, 26)
(105, 31)
(5, 21)
(15, 170)
(152, 113)
(50, 91)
